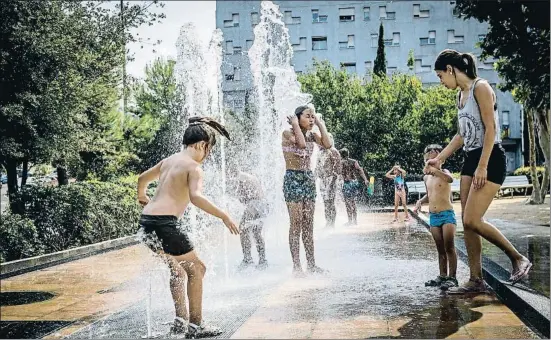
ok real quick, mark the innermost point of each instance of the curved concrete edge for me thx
(18, 267)
(530, 306)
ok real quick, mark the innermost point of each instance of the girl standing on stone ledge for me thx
(484, 166)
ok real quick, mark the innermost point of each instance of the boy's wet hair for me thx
(202, 129)
(433, 147)
(344, 152)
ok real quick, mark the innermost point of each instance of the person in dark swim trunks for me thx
(180, 182)
(299, 186)
(442, 219)
(350, 168)
(397, 174)
(328, 169)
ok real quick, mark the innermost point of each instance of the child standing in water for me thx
(442, 219)
(350, 168)
(180, 182)
(299, 185)
(249, 191)
(398, 174)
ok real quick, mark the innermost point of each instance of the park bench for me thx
(420, 189)
(513, 183)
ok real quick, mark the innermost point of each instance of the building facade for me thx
(346, 34)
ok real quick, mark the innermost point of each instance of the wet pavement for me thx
(374, 289)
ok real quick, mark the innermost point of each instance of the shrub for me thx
(81, 213)
(19, 238)
(526, 171)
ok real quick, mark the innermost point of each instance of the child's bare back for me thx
(172, 195)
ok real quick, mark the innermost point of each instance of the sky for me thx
(201, 13)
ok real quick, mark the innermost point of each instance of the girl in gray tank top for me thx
(471, 126)
(483, 169)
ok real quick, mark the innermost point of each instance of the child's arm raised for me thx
(388, 174)
(195, 181)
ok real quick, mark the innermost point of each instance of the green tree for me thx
(54, 53)
(159, 99)
(379, 66)
(518, 37)
(385, 120)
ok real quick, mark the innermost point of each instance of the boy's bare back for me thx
(172, 195)
(439, 192)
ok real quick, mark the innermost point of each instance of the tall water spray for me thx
(198, 73)
(277, 94)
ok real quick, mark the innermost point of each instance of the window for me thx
(418, 13)
(249, 44)
(368, 65)
(301, 46)
(396, 39)
(454, 39)
(432, 37)
(419, 67)
(505, 119)
(229, 47)
(383, 14)
(236, 73)
(349, 67)
(388, 42)
(238, 103)
(366, 13)
(480, 37)
(237, 50)
(234, 22)
(229, 77)
(346, 14)
(423, 41)
(318, 18)
(391, 69)
(254, 18)
(319, 43)
(350, 41)
(289, 19)
(374, 38)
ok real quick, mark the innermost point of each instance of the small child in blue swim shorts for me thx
(442, 219)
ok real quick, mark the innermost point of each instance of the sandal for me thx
(436, 282)
(471, 286)
(449, 283)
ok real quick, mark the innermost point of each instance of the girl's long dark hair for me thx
(464, 62)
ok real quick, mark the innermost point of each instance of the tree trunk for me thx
(62, 178)
(13, 187)
(542, 125)
(536, 191)
(25, 173)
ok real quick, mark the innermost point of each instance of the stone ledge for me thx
(18, 267)
(530, 306)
